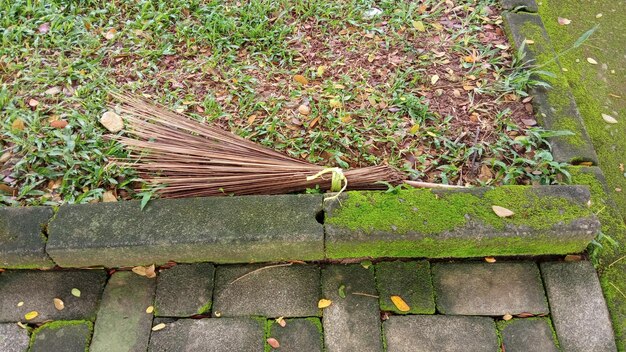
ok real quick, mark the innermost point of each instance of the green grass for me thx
(369, 90)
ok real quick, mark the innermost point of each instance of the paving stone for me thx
(299, 335)
(22, 241)
(579, 313)
(212, 229)
(13, 338)
(460, 223)
(122, 323)
(279, 291)
(489, 289)
(184, 290)
(527, 335)
(524, 5)
(351, 323)
(37, 289)
(436, 333)
(551, 116)
(66, 336)
(409, 280)
(210, 335)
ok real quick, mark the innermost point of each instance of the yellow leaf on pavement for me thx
(324, 303)
(400, 304)
(31, 315)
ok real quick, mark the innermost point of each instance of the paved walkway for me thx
(451, 306)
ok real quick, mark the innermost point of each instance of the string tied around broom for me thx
(335, 183)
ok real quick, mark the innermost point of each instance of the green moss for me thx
(205, 308)
(613, 282)
(427, 212)
(58, 324)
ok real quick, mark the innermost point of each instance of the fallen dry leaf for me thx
(53, 91)
(529, 41)
(419, 25)
(502, 212)
(18, 125)
(335, 103)
(273, 342)
(112, 121)
(507, 317)
(251, 119)
(400, 304)
(31, 315)
(304, 110)
(563, 21)
(281, 321)
(301, 79)
(19, 304)
(573, 258)
(609, 118)
(58, 124)
(592, 61)
(151, 271)
(324, 303)
(44, 28)
(321, 70)
(33, 103)
(109, 196)
(139, 270)
(434, 79)
(158, 327)
(110, 34)
(58, 304)
(75, 292)
(490, 259)
(150, 309)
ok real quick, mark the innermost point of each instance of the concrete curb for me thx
(278, 228)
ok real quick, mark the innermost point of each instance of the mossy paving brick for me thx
(243, 334)
(66, 336)
(409, 280)
(37, 289)
(613, 281)
(122, 323)
(184, 290)
(351, 323)
(266, 290)
(13, 338)
(492, 289)
(527, 335)
(524, 5)
(22, 240)
(577, 307)
(436, 333)
(298, 335)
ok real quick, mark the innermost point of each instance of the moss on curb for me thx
(433, 213)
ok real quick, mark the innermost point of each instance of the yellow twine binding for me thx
(335, 183)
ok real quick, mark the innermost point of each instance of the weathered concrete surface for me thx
(436, 333)
(524, 5)
(213, 229)
(527, 335)
(281, 291)
(72, 336)
(13, 338)
(22, 240)
(122, 323)
(460, 223)
(299, 335)
(409, 280)
(184, 290)
(555, 107)
(578, 310)
(351, 323)
(489, 289)
(37, 289)
(210, 335)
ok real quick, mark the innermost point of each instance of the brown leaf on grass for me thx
(314, 122)
(251, 119)
(335, 103)
(18, 125)
(110, 34)
(304, 110)
(58, 304)
(400, 304)
(419, 25)
(273, 342)
(53, 91)
(502, 212)
(44, 28)
(33, 103)
(112, 121)
(58, 124)
(301, 79)
(109, 196)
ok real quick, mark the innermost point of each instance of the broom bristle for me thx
(185, 158)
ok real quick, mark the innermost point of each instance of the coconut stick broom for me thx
(181, 157)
